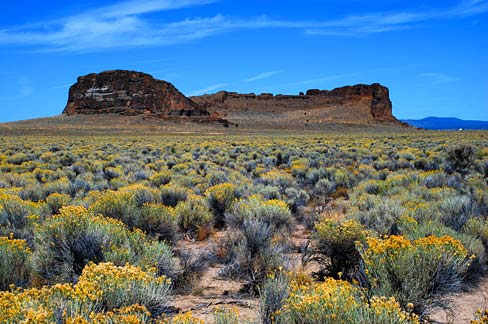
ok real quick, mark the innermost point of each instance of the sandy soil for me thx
(211, 291)
(464, 305)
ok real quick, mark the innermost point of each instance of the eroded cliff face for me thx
(135, 93)
(351, 104)
(128, 93)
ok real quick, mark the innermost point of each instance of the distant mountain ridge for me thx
(447, 123)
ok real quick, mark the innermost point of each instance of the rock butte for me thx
(359, 104)
(133, 93)
(128, 93)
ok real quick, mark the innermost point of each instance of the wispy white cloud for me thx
(470, 7)
(439, 78)
(391, 21)
(208, 89)
(125, 25)
(137, 7)
(261, 76)
(122, 24)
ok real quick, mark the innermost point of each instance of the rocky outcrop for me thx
(135, 93)
(129, 93)
(351, 104)
(377, 95)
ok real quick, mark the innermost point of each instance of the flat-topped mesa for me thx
(129, 93)
(381, 106)
(351, 104)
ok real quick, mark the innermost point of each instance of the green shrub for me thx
(382, 215)
(324, 187)
(336, 301)
(18, 158)
(268, 192)
(456, 211)
(272, 296)
(250, 253)
(274, 213)
(220, 199)
(223, 315)
(194, 217)
(171, 195)
(17, 217)
(478, 227)
(55, 201)
(335, 249)
(65, 243)
(121, 286)
(118, 205)
(420, 272)
(460, 158)
(15, 266)
(296, 198)
(161, 178)
(160, 221)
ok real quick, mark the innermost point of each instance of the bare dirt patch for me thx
(464, 305)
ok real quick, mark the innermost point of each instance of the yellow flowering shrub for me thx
(337, 240)
(66, 242)
(184, 318)
(220, 199)
(161, 178)
(299, 167)
(159, 221)
(337, 301)
(104, 294)
(418, 271)
(277, 178)
(17, 216)
(481, 317)
(116, 204)
(274, 213)
(134, 314)
(55, 201)
(124, 286)
(194, 217)
(172, 194)
(15, 262)
(224, 315)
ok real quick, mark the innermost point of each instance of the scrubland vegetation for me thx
(89, 226)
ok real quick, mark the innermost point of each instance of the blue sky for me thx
(431, 54)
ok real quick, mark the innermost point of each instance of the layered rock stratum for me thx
(359, 104)
(128, 93)
(136, 93)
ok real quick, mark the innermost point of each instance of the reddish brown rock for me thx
(129, 93)
(135, 93)
(359, 104)
(378, 95)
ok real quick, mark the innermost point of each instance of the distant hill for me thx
(446, 123)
